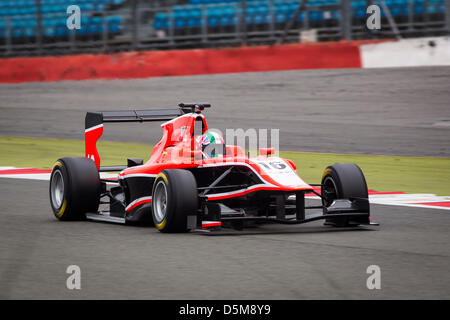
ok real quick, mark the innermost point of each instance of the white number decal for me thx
(274, 165)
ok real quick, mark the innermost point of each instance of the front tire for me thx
(74, 188)
(343, 181)
(174, 197)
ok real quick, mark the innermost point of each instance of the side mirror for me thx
(266, 151)
(134, 162)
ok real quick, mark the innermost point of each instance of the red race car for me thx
(194, 181)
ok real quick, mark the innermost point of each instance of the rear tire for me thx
(174, 197)
(74, 188)
(342, 181)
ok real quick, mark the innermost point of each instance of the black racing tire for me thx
(74, 188)
(174, 197)
(342, 181)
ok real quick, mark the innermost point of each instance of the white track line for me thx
(44, 176)
(408, 200)
(7, 168)
(29, 176)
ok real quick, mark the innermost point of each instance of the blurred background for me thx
(38, 27)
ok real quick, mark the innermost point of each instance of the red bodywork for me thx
(177, 149)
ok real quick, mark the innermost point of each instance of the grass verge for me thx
(383, 173)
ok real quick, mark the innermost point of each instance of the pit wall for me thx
(132, 65)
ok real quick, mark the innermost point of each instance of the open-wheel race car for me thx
(194, 181)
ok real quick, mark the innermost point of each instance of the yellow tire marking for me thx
(63, 208)
(163, 223)
(327, 171)
(162, 175)
(64, 205)
(57, 164)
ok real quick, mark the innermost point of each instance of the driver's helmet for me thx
(208, 138)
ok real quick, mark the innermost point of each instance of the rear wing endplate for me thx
(94, 124)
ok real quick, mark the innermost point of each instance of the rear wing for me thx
(94, 126)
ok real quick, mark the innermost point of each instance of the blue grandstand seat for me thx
(223, 12)
(22, 17)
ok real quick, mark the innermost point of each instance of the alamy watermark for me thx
(73, 282)
(373, 22)
(238, 143)
(374, 280)
(74, 20)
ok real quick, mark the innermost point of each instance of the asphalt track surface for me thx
(403, 111)
(272, 262)
(386, 111)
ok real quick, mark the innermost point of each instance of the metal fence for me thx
(142, 25)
